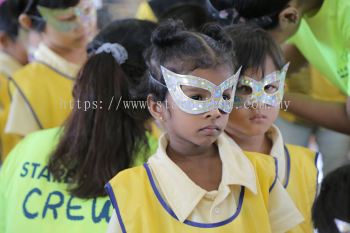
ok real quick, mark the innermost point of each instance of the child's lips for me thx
(210, 130)
(258, 118)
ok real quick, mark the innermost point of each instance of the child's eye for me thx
(68, 18)
(226, 97)
(196, 97)
(270, 89)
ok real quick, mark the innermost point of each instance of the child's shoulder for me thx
(30, 67)
(134, 174)
(300, 153)
(32, 71)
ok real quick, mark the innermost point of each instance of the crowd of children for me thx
(166, 123)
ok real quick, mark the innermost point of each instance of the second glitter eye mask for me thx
(269, 90)
(174, 83)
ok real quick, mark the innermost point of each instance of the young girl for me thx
(53, 181)
(42, 90)
(13, 56)
(258, 99)
(195, 182)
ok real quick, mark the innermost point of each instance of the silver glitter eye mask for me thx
(258, 93)
(174, 82)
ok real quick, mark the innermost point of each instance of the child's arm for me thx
(113, 225)
(331, 115)
(283, 213)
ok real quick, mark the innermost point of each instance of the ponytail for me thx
(100, 141)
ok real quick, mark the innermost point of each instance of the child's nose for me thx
(215, 113)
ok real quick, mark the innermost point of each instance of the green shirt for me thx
(324, 40)
(32, 201)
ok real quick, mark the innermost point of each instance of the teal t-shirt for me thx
(324, 40)
(32, 201)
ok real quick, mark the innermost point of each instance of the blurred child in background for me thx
(42, 89)
(13, 56)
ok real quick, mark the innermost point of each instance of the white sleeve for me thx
(20, 119)
(283, 213)
(113, 225)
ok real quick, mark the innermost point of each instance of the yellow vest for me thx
(7, 141)
(47, 92)
(141, 208)
(301, 182)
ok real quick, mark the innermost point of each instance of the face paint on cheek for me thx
(50, 16)
(85, 15)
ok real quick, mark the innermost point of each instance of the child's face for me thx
(72, 27)
(198, 129)
(253, 119)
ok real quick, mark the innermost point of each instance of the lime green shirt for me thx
(32, 201)
(324, 40)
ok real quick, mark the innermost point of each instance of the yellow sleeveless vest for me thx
(301, 182)
(46, 91)
(7, 141)
(141, 208)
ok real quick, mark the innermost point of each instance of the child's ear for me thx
(4, 39)
(25, 21)
(156, 108)
(288, 16)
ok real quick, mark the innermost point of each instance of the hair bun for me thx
(167, 33)
(216, 32)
